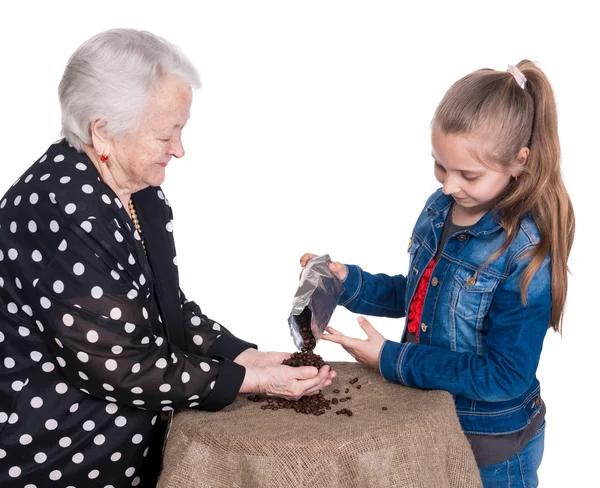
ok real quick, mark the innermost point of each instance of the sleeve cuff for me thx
(229, 347)
(228, 384)
(352, 284)
(391, 360)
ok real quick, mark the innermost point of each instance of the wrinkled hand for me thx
(286, 381)
(251, 358)
(364, 351)
(338, 269)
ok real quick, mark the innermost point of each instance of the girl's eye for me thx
(473, 178)
(165, 140)
(439, 166)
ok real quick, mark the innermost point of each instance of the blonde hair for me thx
(493, 104)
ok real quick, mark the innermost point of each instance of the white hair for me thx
(111, 76)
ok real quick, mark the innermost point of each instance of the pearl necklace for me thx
(136, 222)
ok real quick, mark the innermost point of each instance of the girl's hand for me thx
(364, 351)
(338, 269)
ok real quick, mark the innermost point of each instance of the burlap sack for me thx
(416, 442)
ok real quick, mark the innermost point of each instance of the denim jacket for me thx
(477, 339)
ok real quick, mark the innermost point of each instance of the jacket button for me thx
(538, 401)
(434, 281)
(462, 237)
(416, 270)
(471, 280)
(409, 243)
(424, 327)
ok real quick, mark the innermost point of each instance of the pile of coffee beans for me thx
(315, 404)
(305, 357)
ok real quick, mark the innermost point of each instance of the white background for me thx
(311, 133)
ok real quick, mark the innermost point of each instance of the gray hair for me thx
(111, 76)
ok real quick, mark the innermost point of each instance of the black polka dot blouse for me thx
(97, 342)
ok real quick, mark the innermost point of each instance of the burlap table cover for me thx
(416, 442)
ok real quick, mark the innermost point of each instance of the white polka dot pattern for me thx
(80, 314)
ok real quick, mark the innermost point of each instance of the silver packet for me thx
(318, 294)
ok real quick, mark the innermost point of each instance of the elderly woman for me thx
(99, 345)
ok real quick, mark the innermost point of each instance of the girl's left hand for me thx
(364, 351)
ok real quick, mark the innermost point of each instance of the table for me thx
(416, 442)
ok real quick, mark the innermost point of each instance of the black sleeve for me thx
(205, 337)
(95, 313)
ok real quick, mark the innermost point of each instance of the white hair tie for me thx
(519, 77)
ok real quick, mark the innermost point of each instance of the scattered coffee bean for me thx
(383, 408)
(336, 391)
(358, 387)
(345, 411)
(348, 398)
(346, 390)
(334, 401)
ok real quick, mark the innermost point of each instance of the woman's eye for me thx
(472, 178)
(439, 166)
(165, 139)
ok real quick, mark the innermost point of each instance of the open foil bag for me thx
(317, 296)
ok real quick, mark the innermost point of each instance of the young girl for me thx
(487, 273)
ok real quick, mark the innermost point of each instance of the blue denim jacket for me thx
(477, 340)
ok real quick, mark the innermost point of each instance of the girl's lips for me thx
(164, 165)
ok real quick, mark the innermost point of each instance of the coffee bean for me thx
(315, 404)
(383, 408)
(346, 390)
(358, 387)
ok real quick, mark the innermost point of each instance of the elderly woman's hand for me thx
(251, 358)
(287, 381)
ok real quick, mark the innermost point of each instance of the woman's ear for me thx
(100, 141)
(518, 164)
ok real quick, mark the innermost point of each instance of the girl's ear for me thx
(518, 164)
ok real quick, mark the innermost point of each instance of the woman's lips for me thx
(164, 165)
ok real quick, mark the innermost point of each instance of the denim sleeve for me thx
(378, 295)
(514, 343)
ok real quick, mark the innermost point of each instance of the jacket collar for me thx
(441, 204)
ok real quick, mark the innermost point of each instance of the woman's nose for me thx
(176, 148)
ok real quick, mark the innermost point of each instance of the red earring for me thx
(103, 158)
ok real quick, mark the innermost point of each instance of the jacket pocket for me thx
(473, 293)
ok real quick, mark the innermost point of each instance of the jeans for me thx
(520, 471)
